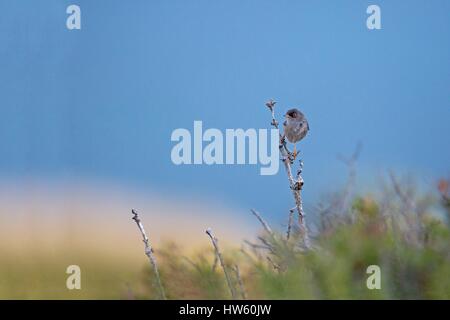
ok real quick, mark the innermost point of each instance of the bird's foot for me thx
(293, 154)
(289, 156)
(298, 185)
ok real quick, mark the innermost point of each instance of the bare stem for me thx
(290, 222)
(402, 195)
(222, 263)
(408, 208)
(296, 185)
(255, 246)
(240, 282)
(273, 264)
(149, 253)
(263, 222)
(351, 180)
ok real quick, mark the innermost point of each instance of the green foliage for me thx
(410, 246)
(184, 278)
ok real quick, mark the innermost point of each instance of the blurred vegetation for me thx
(405, 234)
(403, 231)
(41, 275)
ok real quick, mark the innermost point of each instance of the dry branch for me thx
(240, 282)
(222, 263)
(296, 185)
(263, 222)
(149, 253)
(290, 222)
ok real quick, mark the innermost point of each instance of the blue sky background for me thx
(100, 103)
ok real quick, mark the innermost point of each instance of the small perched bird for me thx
(295, 127)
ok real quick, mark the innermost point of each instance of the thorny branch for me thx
(149, 253)
(296, 184)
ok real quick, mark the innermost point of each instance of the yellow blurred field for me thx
(46, 227)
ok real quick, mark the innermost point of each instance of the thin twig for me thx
(274, 265)
(271, 105)
(402, 195)
(240, 282)
(408, 207)
(149, 253)
(255, 246)
(290, 222)
(222, 263)
(216, 260)
(351, 165)
(263, 222)
(296, 187)
(192, 263)
(267, 244)
(248, 256)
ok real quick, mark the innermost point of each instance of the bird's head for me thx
(294, 114)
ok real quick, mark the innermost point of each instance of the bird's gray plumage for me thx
(295, 126)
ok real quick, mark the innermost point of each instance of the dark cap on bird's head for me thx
(294, 113)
